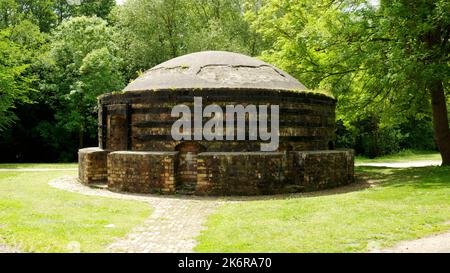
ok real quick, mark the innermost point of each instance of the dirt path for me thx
(8, 249)
(411, 164)
(172, 227)
(439, 243)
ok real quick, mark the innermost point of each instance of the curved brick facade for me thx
(137, 153)
(218, 173)
(141, 121)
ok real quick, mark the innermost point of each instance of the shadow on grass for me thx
(432, 177)
(361, 182)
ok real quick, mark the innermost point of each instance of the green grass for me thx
(38, 165)
(403, 156)
(410, 203)
(38, 218)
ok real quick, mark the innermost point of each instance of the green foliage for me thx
(99, 8)
(33, 70)
(47, 14)
(151, 31)
(19, 47)
(378, 60)
(85, 66)
(369, 137)
(374, 58)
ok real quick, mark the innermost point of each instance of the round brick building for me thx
(138, 153)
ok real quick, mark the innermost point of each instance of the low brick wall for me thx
(142, 172)
(217, 173)
(270, 173)
(317, 170)
(92, 165)
(241, 173)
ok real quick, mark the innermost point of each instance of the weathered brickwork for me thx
(92, 165)
(317, 170)
(141, 121)
(135, 125)
(216, 173)
(272, 172)
(143, 172)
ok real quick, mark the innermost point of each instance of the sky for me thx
(119, 2)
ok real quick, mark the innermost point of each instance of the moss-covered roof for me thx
(215, 70)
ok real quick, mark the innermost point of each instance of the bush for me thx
(368, 137)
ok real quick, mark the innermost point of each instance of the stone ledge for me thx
(92, 166)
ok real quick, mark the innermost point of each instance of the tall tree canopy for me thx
(392, 56)
(19, 47)
(385, 61)
(85, 65)
(47, 14)
(153, 31)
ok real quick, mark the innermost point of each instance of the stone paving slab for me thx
(172, 227)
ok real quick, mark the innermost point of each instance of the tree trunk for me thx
(80, 138)
(440, 121)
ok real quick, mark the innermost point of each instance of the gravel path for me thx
(411, 164)
(8, 249)
(439, 243)
(172, 227)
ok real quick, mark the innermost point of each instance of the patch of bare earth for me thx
(438, 243)
(8, 249)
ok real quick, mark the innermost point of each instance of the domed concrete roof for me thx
(215, 70)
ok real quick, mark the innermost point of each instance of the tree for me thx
(153, 31)
(99, 74)
(19, 47)
(85, 66)
(47, 14)
(40, 12)
(99, 8)
(391, 57)
(220, 25)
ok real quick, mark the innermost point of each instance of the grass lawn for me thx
(38, 218)
(38, 165)
(407, 204)
(403, 156)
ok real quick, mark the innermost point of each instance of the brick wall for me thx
(217, 173)
(271, 173)
(141, 121)
(142, 172)
(92, 165)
